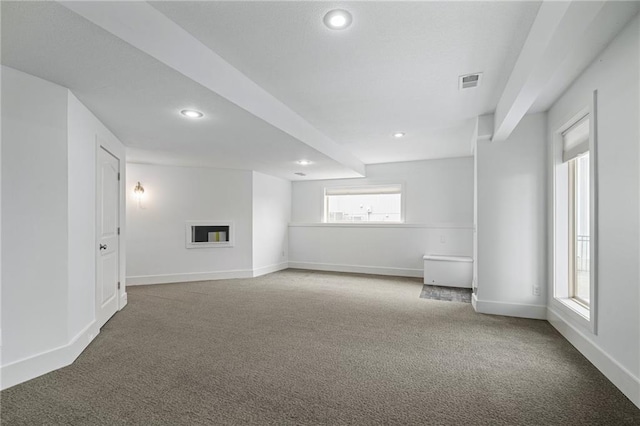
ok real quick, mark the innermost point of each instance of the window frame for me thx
(573, 233)
(325, 215)
(560, 299)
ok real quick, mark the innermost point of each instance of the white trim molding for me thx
(205, 276)
(189, 277)
(264, 270)
(474, 302)
(519, 310)
(560, 298)
(123, 301)
(444, 225)
(622, 378)
(358, 269)
(34, 366)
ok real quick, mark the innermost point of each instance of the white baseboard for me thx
(187, 277)
(264, 270)
(358, 269)
(622, 378)
(509, 309)
(29, 368)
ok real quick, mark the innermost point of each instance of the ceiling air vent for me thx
(470, 80)
(299, 174)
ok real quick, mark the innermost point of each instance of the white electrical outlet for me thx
(536, 290)
(442, 239)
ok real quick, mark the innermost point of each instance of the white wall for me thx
(82, 214)
(438, 210)
(475, 209)
(0, 212)
(34, 215)
(615, 349)
(49, 221)
(512, 221)
(83, 129)
(435, 191)
(271, 216)
(156, 249)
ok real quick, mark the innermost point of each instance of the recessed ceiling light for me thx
(398, 135)
(304, 162)
(191, 113)
(337, 19)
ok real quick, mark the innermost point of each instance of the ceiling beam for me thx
(145, 28)
(485, 127)
(556, 30)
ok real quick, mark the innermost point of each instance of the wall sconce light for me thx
(138, 193)
(138, 190)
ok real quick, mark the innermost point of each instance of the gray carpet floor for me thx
(300, 347)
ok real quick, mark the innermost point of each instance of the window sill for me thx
(384, 225)
(576, 307)
(574, 313)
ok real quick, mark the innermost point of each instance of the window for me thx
(574, 285)
(579, 253)
(371, 203)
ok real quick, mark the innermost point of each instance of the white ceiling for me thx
(139, 99)
(395, 69)
(609, 22)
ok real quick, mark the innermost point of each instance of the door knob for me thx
(103, 246)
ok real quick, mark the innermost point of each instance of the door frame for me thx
(117, 150)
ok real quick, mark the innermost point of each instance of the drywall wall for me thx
(615, 349)
(48, 213)
(85, 132)
(156, 237)
(34, 215)
(0, 216)
(81, 217)
(271, 216)
(438, 212)
(474, 144)
(435, 191)
(374, 249)
(512, 221)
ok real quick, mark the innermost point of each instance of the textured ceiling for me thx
(610, 21)
(395, 68)
(139, 99)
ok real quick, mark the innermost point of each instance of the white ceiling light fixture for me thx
(191, 113)
(398, 135)
(304, 162)
(338, 19)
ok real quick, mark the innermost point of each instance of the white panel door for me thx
(108, 207)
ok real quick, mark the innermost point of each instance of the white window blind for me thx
(365, 190)
(367, 203)
(575, 140)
